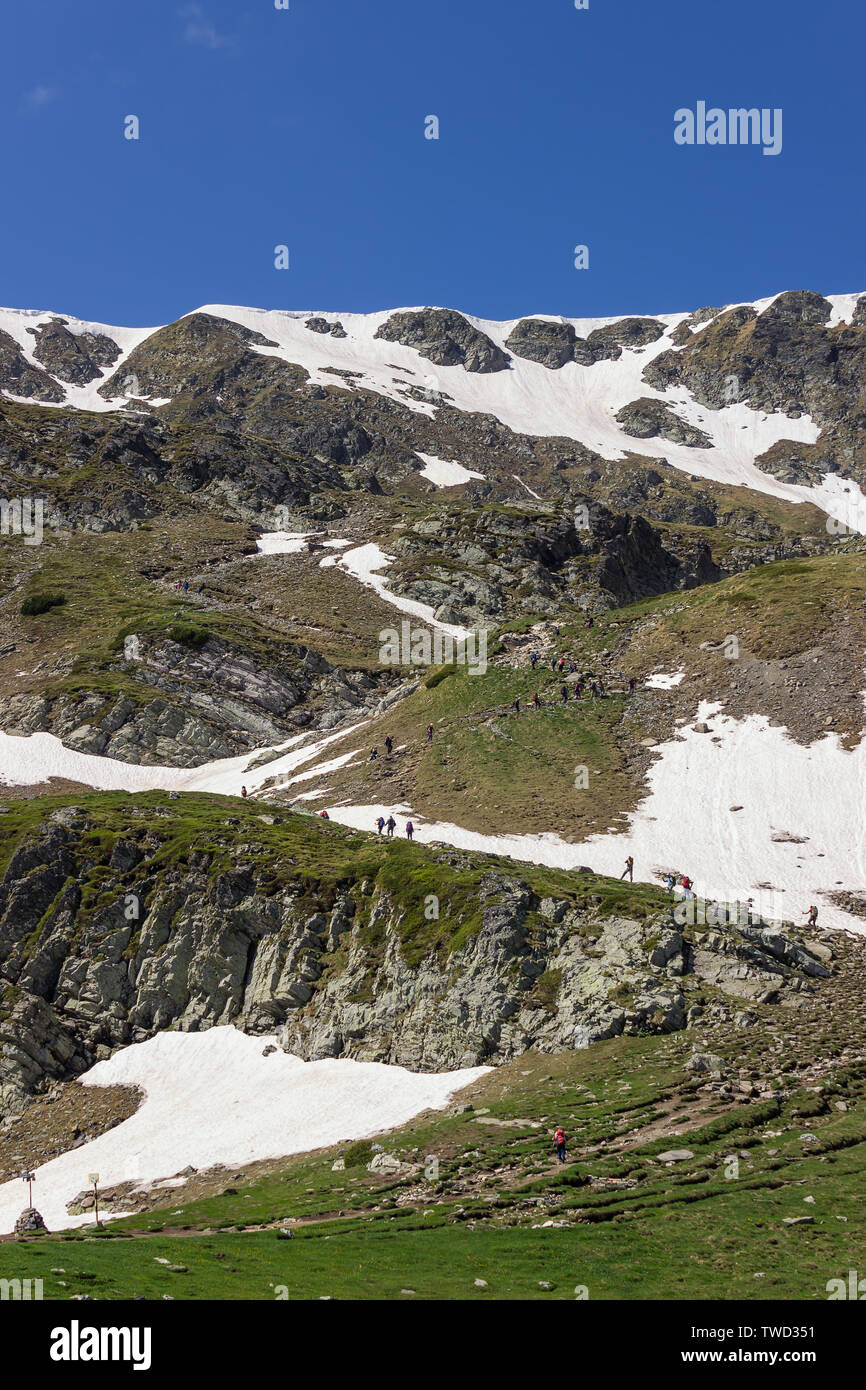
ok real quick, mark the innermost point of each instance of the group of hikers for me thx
(389, 745)
(586, 681)
(390, 825)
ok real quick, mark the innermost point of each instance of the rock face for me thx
(446, 338)
(648, 418)
(785, 359)
(74, 357)
(106, 940)
(488, 562)
(320, 325)
(539, 340)
(553, 344)
(198, 705)
(20, 377)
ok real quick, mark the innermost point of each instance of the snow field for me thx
(212, 1097)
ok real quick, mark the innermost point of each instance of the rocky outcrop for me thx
(649, 418)
(544, 341)
(73, 357)
(320, 325)
(785, 359)
(553, 344)
(609, 341)
(106, 940)
(175, 359)
(475, 568)
(446, 338)
(21, 378)
(206, 703)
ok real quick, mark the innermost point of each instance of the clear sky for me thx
(305, 127)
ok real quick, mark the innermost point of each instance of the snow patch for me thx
(212, 1097)
(444, 474)
(660, 681)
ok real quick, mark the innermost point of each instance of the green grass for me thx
(439, 905)
(694, 1230)
(41, 603)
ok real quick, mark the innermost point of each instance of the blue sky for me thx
(305, 127)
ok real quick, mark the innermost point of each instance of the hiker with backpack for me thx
(389, 744)
(429, 733)
(390, 826)
(560, 1139)
(629, 869)
(380, 824)
(812, 918)
(410, 830)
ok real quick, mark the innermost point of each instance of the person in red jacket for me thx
(560, 1139)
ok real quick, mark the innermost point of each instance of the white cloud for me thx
(39, 96)
(200, 31)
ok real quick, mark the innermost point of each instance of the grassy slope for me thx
(680, 1232)
(491, 770)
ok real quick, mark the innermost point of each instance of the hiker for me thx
(533, 657)
(601, 690)
(324, 815)
(535, 701)
(579, 689)
(380, 824)
(670, 882)
(243, 791)
(560, 1139)
(516, 705)
(629, 869)
(688, 887)
(632, 682)
(563, 690)
(553, 663)
(561, 663)
(186, 586)
(593, 688)
(410, 830)
(429, 733)
(812, 919)
(589, 620)
(389, 744)
(390, 826)
(374, 753)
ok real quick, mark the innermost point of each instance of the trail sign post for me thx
(94, 1178)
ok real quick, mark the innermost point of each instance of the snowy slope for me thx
(16, 322)
(795, 837)
(576, 402)
(213, 1097)
(811, 797)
